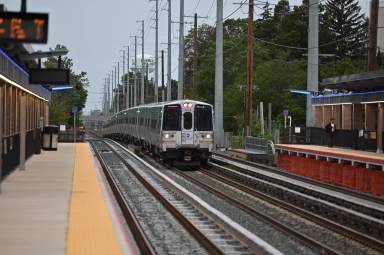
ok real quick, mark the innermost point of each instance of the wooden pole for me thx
(248, 93)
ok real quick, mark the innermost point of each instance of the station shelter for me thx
(23, 108)
(355, 102)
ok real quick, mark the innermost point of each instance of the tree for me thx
(61, 103)
(266, 14)
(348, 25)
(281, 9)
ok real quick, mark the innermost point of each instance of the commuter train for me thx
(180, 132)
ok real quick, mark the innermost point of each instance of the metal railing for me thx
(260, 145)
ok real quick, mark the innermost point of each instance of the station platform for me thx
(359, 170)
(60, 205)
(340, 154)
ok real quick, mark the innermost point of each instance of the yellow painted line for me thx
(90, 229)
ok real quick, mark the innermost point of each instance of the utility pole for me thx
(115, 82)
(118, 86)
(128, 87)
(157, 54)
(23, 5)
(180, 85)
(249, 88)
(135, 76)
(313, 57)
(129, 92)
(372, 35)
(169, 81)
(105, 97)
(123, 83)
(194, 76)
(113, 92)
(109, 93)
(142, 64)
(219, 132)
(162, 77)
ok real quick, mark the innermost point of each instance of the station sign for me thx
(49, 76)
(24, 27)
(74, 109)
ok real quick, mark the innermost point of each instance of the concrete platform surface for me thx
(34, 204)
(356, 155)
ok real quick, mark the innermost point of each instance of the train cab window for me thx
(171, 117)
(187, 120)
(203, 118)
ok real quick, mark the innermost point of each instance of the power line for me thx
(197, 5)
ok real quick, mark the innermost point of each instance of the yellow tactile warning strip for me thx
(90, 229)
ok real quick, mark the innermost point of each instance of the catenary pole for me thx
(313, 57)
(118, 87)
(157, 54)
(142, 64)
(162, 77)
(124, 106)
(135, 76)
(169, 64)
(128, 81)
(194, 79)
(180, 85)
(219, 132)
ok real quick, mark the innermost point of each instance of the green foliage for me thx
(348, 25)
(61, 103)
(277, 69)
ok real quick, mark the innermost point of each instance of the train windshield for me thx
(171, 117)
(187, 120)
(203, 118)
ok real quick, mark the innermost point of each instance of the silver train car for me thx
(180, 132)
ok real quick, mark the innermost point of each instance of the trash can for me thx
(37, 141)
(50, 137)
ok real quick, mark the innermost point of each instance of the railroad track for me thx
(300, 236)
(207, 228)
(305, 240)
(251, 183)
(217, 157)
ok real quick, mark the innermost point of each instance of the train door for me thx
(187, 136)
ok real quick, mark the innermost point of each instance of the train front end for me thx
(187, 132)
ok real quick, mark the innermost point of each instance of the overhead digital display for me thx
(24, 27)
(49, 76)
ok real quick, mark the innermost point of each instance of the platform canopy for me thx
(368, 81)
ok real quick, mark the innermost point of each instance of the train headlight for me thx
(166, 136)
(208, 136)
(187, 105)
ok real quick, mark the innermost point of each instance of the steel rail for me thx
(352, 234)
(276, 170)
(334, 199)
(307, 241)
(140, 237)
(189, 226)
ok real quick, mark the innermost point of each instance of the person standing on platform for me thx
(330, 128)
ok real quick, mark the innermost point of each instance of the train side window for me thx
(187, 120)
(203, 118)
(153, 123)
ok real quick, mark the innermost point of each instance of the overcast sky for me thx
(95, 31)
